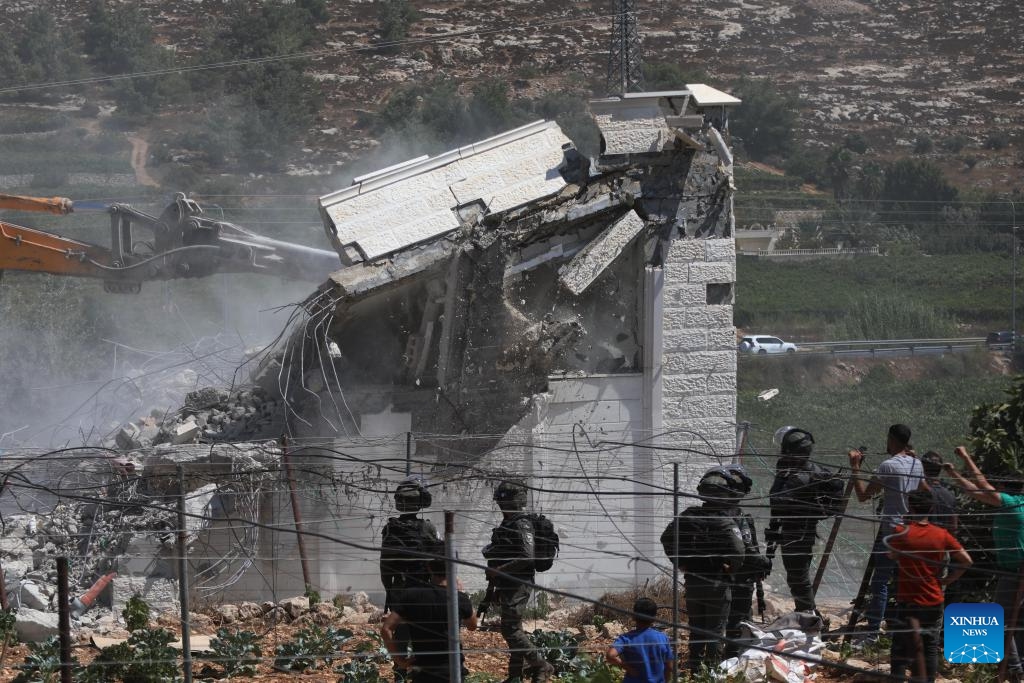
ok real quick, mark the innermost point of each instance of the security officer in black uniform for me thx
(511, 552)
(800, 495)
(755, 566)
(407, 532)
(710, 549)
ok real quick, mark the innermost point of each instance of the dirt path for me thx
(140, 151)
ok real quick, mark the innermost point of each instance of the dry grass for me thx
(658, 589)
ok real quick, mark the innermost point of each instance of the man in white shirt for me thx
(895, 479)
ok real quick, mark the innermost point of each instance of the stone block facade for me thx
(699, 349)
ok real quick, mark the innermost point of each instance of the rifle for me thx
(486, 603)
(743, 430)
(771, 538)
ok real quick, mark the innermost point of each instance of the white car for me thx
(759, 343)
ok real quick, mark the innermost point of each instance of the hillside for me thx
(890, 70)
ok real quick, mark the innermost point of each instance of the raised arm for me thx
(865, 490)
(976, 486)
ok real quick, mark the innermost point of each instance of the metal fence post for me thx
(296, 514)
(64, 619)
(186, 639)
(408, 454)
(675, 575)
(454, 651)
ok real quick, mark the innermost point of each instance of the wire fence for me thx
(264, 522)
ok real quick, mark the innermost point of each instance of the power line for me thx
(309, 54)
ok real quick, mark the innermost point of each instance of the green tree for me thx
(275, 101)
(997, 441)
(119, 39)
(912, 180)
(670, 76)
(45, 51)
(839, 167)
(395, 18)
(764, 122)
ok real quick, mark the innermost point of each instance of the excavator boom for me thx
(43, 252)
(56, 205)
(180, 243)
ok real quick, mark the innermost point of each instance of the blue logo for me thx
(973, 633)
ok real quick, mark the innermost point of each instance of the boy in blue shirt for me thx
(644, 652)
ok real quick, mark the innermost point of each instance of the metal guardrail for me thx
(875, 346)
(910, 344)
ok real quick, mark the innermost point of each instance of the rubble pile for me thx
(355, 609)
(122, 531)
(208, 415)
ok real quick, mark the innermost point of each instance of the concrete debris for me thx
(32, 596)
(131, 531)
(595, 258)
(208, 415)
(34, 626)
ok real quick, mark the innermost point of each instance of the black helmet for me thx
(510, 494)
(719, 485)
(797, 442)
(743, 481)
(412, 495)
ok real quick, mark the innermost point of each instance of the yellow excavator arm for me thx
(61, 206)
(182, 243)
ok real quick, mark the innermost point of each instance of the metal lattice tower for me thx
(625, 68)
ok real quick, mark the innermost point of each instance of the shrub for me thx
(309, 646)
(855, 142)
(42, 663)
(237, 652)
(923, 144)
(670, 76)
(955, 144)
(997, 140)
(146, 657)
(136, 613)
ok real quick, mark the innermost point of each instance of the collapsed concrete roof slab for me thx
(594, 259)
(706, 96)
(412, 202)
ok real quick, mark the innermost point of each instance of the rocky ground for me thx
(891, 70)
(277, 623)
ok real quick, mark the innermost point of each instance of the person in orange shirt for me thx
(919, 549)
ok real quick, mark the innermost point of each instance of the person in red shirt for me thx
(919, 549)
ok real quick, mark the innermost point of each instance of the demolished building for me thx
(537, 313)
(510, 307)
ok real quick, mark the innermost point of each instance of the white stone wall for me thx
(699, 344)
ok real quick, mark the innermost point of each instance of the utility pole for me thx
(1013, 281)
(625, 68)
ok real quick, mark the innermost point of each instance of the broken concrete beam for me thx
(160, 594)
(588, 265)
(724, 153)
(128, 437)
(185, 433)
(34, 626)
(371, 277)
